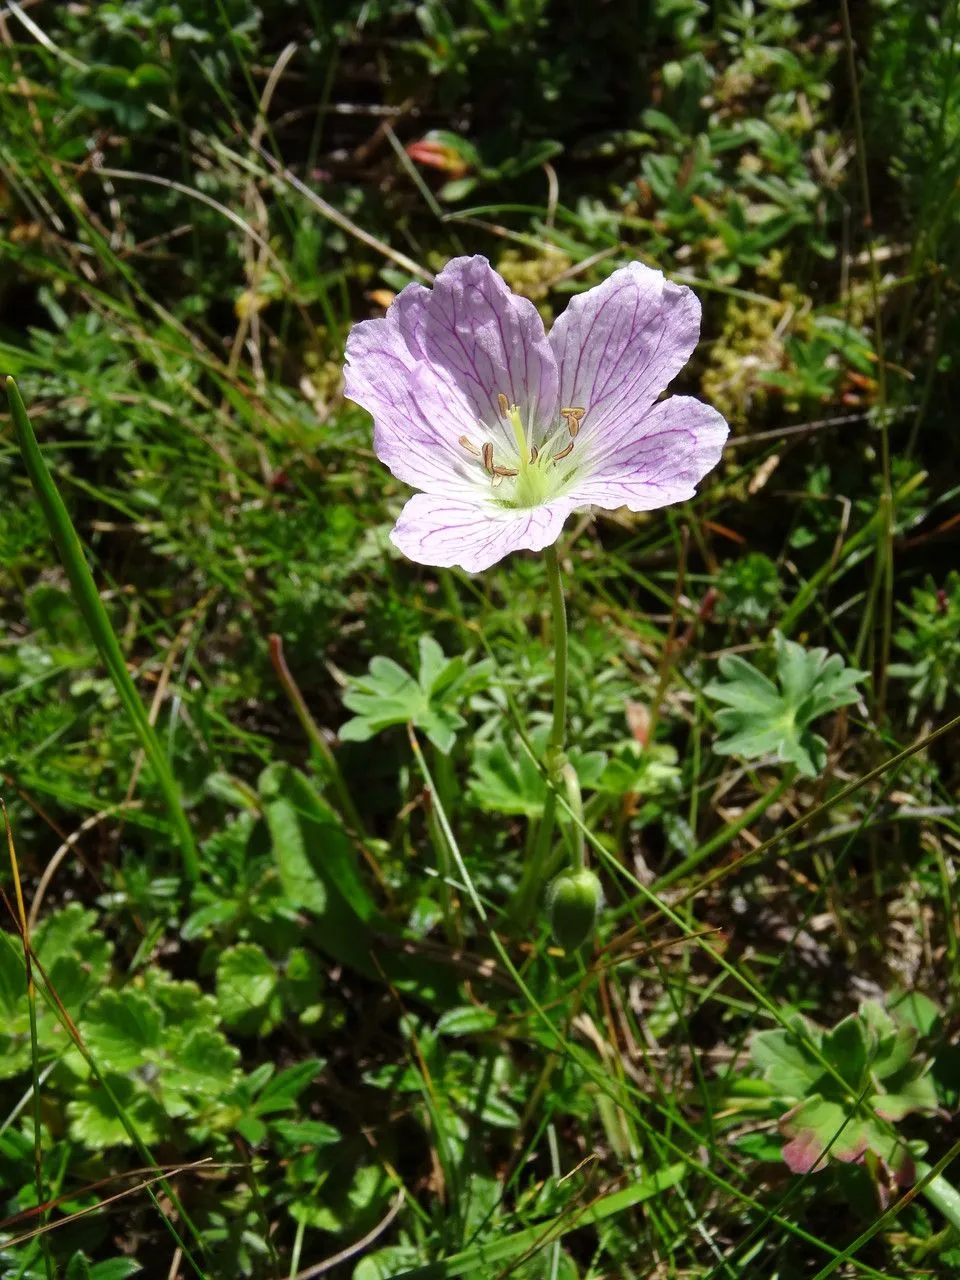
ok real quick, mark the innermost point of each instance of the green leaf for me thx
(95, 1122)
(314, 858)
(74, 954)
(388, 695)
(204, 1067)
(914, 1009)
(817, 1124)
(386, 1263)
(282, 1092)
(468, 1020)
(81, 1268)
(786, 1063)
(634, 769)
(915, 1095)
(759, 719)
(845, 1048)
(121, 1028)
(247, 983)
(507, 780)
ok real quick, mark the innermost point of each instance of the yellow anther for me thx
(504, 471)
(563, 452)
(469, 446)
(487, 456)
(504, 404)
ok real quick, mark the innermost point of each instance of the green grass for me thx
(287, 1003)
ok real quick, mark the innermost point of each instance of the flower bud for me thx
(573, 901)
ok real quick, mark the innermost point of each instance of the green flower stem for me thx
(531, 882)
(94, 614)
(942, 1194)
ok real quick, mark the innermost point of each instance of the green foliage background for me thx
(340, 1030)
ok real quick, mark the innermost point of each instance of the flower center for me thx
(529, 474)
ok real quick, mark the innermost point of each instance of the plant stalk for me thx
(533, 874)
(70, 551)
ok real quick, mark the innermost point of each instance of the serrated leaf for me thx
(95, 1122)
(205, 1066)
(182, 1004)
(247, 982)
(121, 1029)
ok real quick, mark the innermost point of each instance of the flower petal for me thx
(417, 419)
(445, 531)
(660, 462)
(619, 345)
(484, 341)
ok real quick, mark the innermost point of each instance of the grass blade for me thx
(94, 614)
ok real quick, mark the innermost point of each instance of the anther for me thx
(504, 404)
(469, 446)
(504, 471)
(572, 417)
(487, 456)
(563, 452)
(534, 453)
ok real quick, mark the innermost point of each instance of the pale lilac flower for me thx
(506, 431)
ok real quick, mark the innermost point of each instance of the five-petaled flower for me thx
(506, 431)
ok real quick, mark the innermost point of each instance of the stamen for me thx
(504, 404)
(469, 446)
(504, 471)
(572, 417)
(534, 453)
(487, 456)
(563, 452)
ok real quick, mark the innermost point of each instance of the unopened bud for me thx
(573, 901)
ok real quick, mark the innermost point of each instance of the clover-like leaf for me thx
(760, 718)
(388, 695)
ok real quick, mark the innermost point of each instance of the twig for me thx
(320, 1268)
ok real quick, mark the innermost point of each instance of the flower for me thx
(505, 431)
